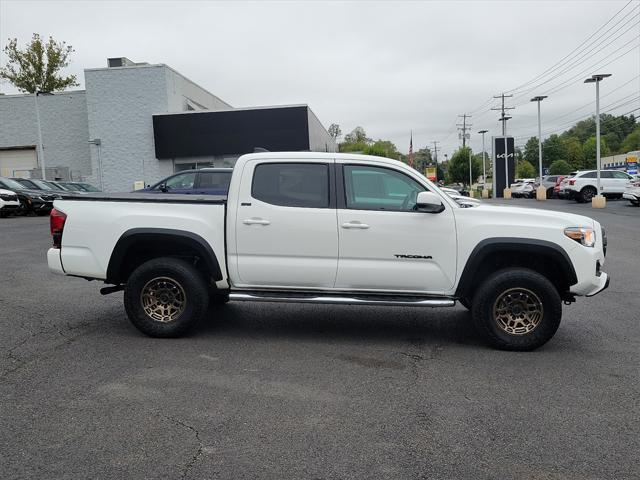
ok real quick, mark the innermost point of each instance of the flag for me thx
(411, 150)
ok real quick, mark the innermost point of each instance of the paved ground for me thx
(313, 392)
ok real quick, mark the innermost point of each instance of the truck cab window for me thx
(373, 188)
(292, 184)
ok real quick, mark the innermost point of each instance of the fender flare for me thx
(532, 247)
(159, 235)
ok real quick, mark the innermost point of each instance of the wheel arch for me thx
(138, 245)
(493, 254)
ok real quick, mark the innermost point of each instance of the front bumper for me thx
(607, 279)
(630, 196)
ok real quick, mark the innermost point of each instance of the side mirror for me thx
(429, 202)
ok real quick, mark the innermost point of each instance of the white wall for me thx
(63, 119)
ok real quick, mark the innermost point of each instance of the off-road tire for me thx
(179, 276)
(501, 283)
(586, 194)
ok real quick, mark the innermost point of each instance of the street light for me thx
(598, 201)
(541, 194)
(97, 142)
(485, 192)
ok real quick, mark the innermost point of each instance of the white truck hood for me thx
(530, 216)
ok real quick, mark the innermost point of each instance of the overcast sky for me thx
(391, 67)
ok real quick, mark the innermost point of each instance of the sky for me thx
(392, 67)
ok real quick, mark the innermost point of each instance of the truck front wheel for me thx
(165, 297)
(517, 309)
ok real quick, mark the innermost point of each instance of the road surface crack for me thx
(194, 458)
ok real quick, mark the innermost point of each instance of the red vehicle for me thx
(556, 189)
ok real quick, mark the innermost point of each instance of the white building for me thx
(105, 133)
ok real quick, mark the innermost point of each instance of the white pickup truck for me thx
(330, 228)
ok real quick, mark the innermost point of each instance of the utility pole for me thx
(435, 151)
(40, 145)
(464, 127)
(503, 119)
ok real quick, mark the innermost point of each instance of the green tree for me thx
(632, 141)
(525, 170)
(531, 150)
(589, 150)
(575, 155)
(335, 131)
(357, 135)
(382, 148)
(560, 167)
(458, 168)
(37, 67)
(553, 149)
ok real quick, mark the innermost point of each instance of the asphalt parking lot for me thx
(284, 391)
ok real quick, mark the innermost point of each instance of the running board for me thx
(390, 300)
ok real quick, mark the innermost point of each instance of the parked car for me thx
(378, 234)
(632, 193)
(31, 201)
(582, 186)
(549, 182)
(461, 199)
(46, 185)
(85, 187)
(556, 188)
(206, 181)
(9, 202)
(523, 189)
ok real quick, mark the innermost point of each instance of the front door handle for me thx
(256, 221)
(355, 224)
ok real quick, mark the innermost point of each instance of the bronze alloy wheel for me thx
(518, 311)
(163, 299)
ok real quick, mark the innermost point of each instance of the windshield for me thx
(71, 186)
(12, 184)
(41, 184)
(87, 187)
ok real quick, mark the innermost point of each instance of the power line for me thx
(464, 127)
(503, 117)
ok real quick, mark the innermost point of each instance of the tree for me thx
(382, 148)
(357, 135)
(575, 155)
(37, 67)
(531, 150)
(553, 149)
(559, 167)
(631, 142)
(458, 171)
(589, 150)
(525, 170)
(335, 131)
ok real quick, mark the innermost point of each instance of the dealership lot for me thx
(317, 392)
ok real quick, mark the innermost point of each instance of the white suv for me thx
(9, 202)
(581, 186)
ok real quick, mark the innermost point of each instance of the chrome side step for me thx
(390, 300)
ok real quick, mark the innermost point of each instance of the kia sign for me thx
(498, 164)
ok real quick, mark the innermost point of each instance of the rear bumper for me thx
(54, 261)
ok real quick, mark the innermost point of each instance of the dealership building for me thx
(136, 123)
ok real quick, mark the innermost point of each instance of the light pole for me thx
(40, 146)
(541, 194)
(470, 175)
(485, 192)
(507, 187)
(598, 201)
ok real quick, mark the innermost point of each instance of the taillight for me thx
(572, 182)
(56, 223)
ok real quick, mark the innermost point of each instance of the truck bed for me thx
(149, 197)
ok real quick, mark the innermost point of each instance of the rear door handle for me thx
(256, 221)
(355, 224)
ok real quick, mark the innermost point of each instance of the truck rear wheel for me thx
(165, 297)
(517, 309)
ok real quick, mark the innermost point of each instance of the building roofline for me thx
(262, 107)
(157, 65)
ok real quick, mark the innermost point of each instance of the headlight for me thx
(585, 236)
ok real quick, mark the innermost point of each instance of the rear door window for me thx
(304, 185)
(214, 180)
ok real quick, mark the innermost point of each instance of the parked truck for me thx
(336, 229)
